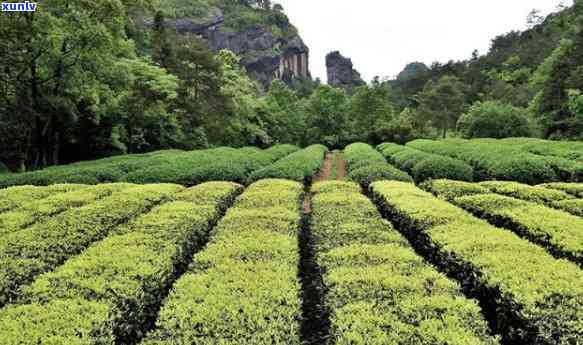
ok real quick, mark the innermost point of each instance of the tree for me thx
(326, 119)
(145, 114)
(494, 119)
(369, 105)
(241, 125)
(200, 101)
(556, 80)
(442, 102)
(162, 50)
(400, 130)
(284, 116)
(57, 68)
(534, 18)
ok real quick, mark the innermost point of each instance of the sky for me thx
(382, 36)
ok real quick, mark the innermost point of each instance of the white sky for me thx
(382, 36)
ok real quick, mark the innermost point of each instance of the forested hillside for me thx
(85, 80)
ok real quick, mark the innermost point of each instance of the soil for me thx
(341, 171)
(326, 171)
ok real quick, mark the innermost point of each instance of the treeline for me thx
(528, 84)
(83, 80)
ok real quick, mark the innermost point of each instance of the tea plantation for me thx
(434, 242)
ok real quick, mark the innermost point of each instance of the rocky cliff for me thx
(341, 72)
(267, 51)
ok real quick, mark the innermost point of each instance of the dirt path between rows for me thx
(341, 171)
(326, 171)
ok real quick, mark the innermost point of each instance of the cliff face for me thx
(341, 73)
(265, 54)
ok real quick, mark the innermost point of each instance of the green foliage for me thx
(366, 263)
(558, 82)
(493, 160)
(573, 206)
(75, 322)
(401, 129)
(493, 120)
(15, 197)
(539, 297)
(525, 192)
(4, 169)
(38, 210)
(366, 165)
(424, 166)
(442, 102)
(284, 114)
(378, 172)
(442, 167)
(42, 247)
(128, 273)
(243, 287)
(575, 189)
(327, 118)
(299, 166)
(559, 232)
(370, 104)
(188, 168)
(449, 189)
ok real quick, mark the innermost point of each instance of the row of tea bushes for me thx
(187, 168)
(425, 166)
(526, 192)
(37, 210)
(116, 285)
(575, 189)
(366, 165)
(561, 233)
(554, 198)
(495, 160)
(44, 246)
(572, 150)
(521, 208)
(14, 197)
(379, 290)
(532, 297)
(243, 288)
(299, 166)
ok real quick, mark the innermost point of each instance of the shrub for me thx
(299, 166)
(35, 211)
(171, 166)
(573, 206)
(423, 166)
(4, 169)
(243, 288)
(377, 172)
(493, 159)
(126, 274)
(388, 150)
(575, 189)
(437, 167)
(525, 169)
(450, 190)
(366, 262)
(525, 192)
(521, 283)
(41, 248)
(559, 232)
(366, 165)
(494, 119)
(14, 197)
